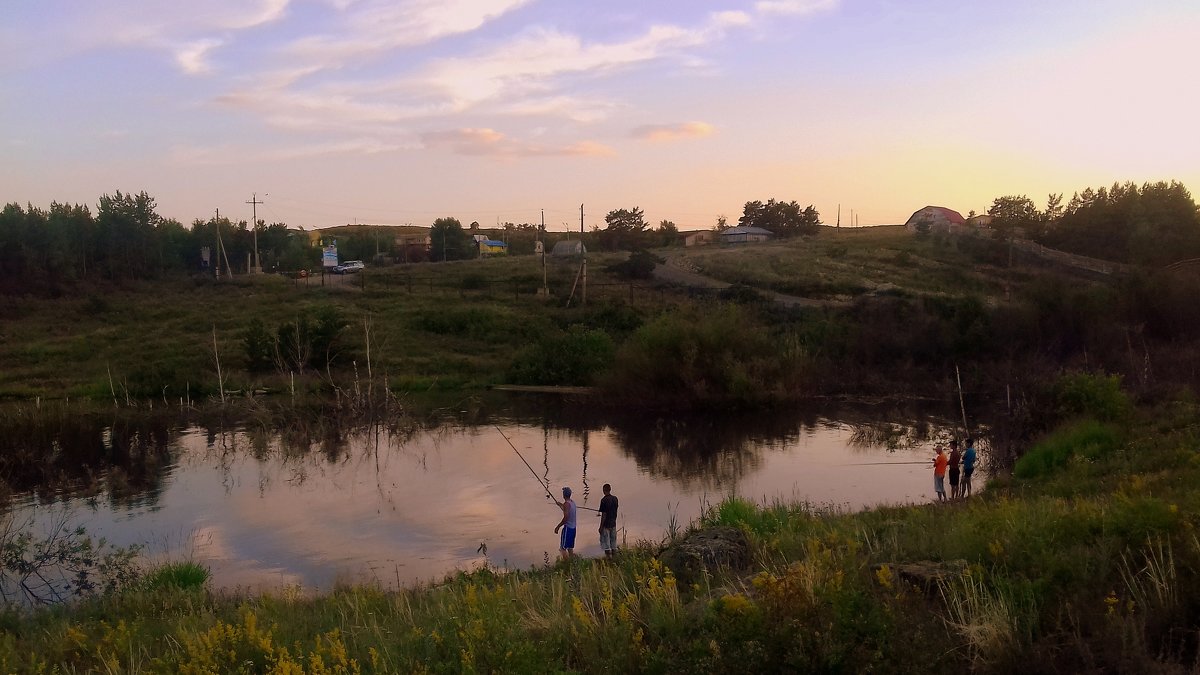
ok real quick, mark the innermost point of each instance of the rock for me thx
(927, 575)
(709, 550)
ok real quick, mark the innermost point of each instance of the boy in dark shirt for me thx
(608, 522)
(955, 460)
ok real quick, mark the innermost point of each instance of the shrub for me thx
(1088, 395)
(573, 358)
(719, 355)
(639, 265)
(183, 575)
(64, 564)
(1087, 440)
(258, 346)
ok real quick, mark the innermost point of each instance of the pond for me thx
(264, 512)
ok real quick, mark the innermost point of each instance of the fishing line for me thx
(534, 473)
(879, 463)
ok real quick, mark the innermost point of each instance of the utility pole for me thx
(583, 293)
(254, 202)
(221, 250)
(542, 241)
(217, 250)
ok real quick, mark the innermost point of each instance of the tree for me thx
(667, 232)
(625, 229)
(127, 225)
(1014, 214)
(722, 223)
(450, 241)
(785, 219)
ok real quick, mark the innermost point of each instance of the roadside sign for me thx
(329, 257)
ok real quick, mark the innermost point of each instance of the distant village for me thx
(410, 243)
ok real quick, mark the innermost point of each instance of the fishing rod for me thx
(879, 463)
(534, 473)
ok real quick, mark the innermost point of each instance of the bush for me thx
(639, 265)
(717, 355)
(1088, 440)
(182, 575)
(1088, 395)
(258, 346)
(314, 344)
(574, 358)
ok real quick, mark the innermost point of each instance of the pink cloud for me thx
(469, 141)
(673, 132)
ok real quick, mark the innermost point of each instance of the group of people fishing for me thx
(608, 523)
(959, 464)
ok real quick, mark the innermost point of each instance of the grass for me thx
(141, 339)
(180, 575)
(844, 264)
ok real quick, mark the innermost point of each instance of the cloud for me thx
(192, 57)
(489, 142)
(379, 26)
(794, 7)
(225, 154)
(731, 19)
(529, 64)
(673, 132)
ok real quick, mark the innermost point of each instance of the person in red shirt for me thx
(939, 473)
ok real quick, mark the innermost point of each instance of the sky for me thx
(400, 112)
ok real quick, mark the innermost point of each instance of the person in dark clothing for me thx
(608, 521)
(955, 460)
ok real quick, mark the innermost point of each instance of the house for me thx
(412, 246)
(745, 235)
(492, 247)
(568, 248)
(938, 218)
(983, 220)
(701, 238)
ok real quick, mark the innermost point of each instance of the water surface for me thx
(265, 512)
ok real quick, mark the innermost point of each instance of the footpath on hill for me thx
(679, 270)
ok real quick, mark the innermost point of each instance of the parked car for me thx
(350, 267)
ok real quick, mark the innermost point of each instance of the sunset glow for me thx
(383, 112)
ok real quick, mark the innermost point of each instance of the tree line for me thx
(1152, 224)
(627, 229)
(125, 238)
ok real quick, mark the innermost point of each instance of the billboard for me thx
(329, 255)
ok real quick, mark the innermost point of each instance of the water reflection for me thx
(317, 501)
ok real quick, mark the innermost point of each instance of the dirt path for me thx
(679, 271)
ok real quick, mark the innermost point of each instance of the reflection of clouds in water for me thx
(369, 504)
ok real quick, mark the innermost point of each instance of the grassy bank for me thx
(1087, 560)
(906, 317)
(432, 326)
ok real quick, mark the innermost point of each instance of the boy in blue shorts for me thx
(566, 541)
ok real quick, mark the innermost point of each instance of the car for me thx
(349, 267)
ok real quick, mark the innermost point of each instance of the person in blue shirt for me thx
(968, 461)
